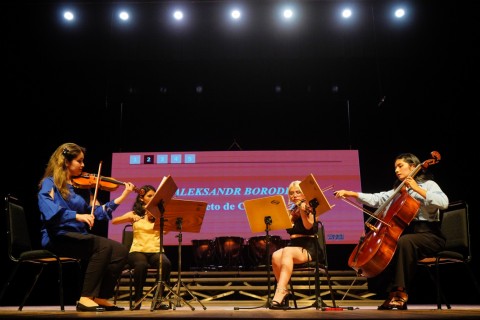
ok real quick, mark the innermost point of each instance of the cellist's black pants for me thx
(419, 240)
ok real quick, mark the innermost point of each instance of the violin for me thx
(89, 180)
(296, 213)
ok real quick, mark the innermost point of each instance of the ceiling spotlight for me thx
(178, 15)
(236, 14)
(124, 15)
(399, 13)
(287, 13)
(68, 15)
(347, 13)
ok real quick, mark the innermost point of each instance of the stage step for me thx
(254, 285)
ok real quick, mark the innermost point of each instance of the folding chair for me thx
(455, 227)
(21, 251)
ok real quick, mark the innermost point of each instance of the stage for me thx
(243, 294)
(225, 310)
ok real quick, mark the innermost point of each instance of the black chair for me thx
(455, 227)
(127, 240)
(318, 267)
(21, 251)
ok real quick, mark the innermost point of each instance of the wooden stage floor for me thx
(243, 295)
(247, 310)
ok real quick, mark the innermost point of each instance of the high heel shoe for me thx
(396, 300)
(279, 305)
(282, 305)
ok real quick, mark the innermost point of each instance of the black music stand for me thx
(156, 206)
(187, 216)
(319, 204)
(267, 214)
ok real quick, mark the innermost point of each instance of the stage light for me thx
(335, 88)
(400, 13)
(346, 13)
(68, 15)
(287, 13)
(235, 14)
(178, 15)
(123, 15)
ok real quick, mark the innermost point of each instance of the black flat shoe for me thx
(113, 308)
(83, 308)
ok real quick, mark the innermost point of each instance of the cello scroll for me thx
(435, 159)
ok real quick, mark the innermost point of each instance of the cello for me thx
(375, 250)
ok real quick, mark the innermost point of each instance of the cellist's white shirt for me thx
(429, 207)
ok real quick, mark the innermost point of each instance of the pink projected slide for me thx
(224, 179)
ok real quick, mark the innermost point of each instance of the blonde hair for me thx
(57, 166)
(293, 184)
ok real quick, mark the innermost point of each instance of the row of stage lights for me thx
(287, 13)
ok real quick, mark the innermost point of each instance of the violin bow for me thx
(92, 213)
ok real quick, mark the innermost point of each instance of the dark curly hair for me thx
(138, 206)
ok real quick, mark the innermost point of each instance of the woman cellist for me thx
(421, 238)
